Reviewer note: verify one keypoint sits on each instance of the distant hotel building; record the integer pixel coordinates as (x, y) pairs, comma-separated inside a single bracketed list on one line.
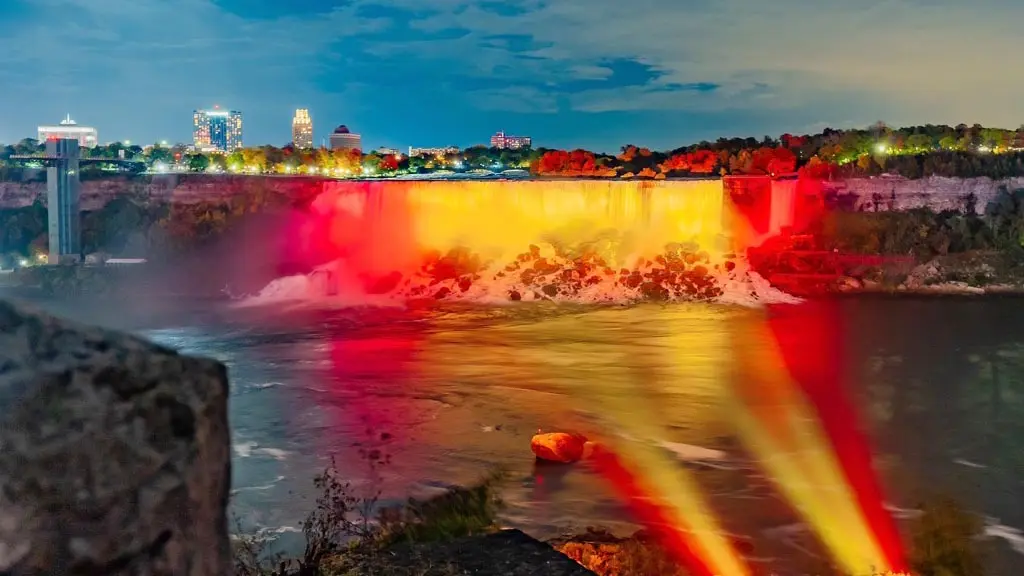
[(302, 129), (68, 128), (438, 152), (503, 141), (342, 138), (217, 130), (385, 151)]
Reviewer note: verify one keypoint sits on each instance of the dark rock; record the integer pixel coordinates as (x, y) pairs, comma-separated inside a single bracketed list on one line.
[(114, 453), (385, 283), (504, 553)]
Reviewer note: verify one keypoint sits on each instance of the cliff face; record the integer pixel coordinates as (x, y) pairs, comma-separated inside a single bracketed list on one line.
[(871, 194), (936, 193), (178, 189)]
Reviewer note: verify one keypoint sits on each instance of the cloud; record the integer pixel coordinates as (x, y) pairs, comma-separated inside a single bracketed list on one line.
[(922, 59), (143, 65)]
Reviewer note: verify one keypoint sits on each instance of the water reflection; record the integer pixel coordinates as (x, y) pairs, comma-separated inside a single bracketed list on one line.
[(938, 385)]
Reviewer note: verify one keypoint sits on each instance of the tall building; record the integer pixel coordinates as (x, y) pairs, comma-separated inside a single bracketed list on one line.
[(68, 128), (343, 138), (503, 141), (62, 200), (302, 129), (217, 130)]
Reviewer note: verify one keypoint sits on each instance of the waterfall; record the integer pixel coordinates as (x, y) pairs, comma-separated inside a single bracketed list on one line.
[(602, 240)]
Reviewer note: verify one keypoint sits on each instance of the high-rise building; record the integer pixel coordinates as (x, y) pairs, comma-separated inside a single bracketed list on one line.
[(68, 128), (302, 129), (217, 130), (343, 138), (504, 141)]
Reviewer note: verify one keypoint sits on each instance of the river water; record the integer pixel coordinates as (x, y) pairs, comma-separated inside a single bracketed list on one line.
[(938, 385)]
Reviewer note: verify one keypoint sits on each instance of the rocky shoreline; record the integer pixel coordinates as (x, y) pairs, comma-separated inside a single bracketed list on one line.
[(979, 273)]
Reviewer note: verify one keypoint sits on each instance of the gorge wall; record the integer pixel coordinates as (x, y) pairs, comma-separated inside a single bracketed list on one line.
[(166, 188), (937, 193)]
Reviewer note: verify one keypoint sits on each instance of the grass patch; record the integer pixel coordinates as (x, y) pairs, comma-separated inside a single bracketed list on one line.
[(349, 534), (944, 540)]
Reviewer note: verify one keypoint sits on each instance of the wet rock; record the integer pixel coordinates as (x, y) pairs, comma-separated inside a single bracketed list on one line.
[(514, 295), (654, 292), (550, 290), (849, 284), (114, 453), (923, 275), (442, 293), (384, 284)]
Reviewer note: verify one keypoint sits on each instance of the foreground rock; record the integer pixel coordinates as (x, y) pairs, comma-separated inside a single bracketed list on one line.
[(504, 553), (114, 453)]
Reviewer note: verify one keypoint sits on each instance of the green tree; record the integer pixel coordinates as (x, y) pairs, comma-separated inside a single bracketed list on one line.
[(219, 161), (198, 162), (236, 161)]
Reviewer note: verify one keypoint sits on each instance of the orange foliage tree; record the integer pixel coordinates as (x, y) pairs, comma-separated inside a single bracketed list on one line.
[(767, 160), (629, 152), (575, 163), (696, 162), (818, 169), (389, 163), (790, 141)]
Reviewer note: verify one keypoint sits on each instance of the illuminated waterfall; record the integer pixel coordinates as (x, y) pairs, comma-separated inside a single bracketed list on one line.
[(501, 219), (589, 240)]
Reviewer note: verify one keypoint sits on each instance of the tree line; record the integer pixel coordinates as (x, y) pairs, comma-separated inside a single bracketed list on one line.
[(911, 152)]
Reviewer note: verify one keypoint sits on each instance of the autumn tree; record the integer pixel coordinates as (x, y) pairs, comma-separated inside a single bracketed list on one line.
[(388, 163)]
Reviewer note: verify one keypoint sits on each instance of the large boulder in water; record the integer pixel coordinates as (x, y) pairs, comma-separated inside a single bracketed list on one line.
[(114, 453)]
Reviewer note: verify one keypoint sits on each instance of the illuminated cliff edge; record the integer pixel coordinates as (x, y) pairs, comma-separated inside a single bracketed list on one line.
[(577, 240)]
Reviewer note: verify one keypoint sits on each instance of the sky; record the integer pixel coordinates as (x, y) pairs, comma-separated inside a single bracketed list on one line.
[(596, 74)]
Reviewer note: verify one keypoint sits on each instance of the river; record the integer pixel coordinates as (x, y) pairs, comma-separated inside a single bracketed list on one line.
[(938, 385)]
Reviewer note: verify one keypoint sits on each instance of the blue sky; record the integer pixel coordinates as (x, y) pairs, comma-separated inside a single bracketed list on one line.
[(570, 73)]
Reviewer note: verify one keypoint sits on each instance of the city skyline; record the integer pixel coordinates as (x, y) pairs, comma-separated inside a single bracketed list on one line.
[(227, 135), (670, 75)]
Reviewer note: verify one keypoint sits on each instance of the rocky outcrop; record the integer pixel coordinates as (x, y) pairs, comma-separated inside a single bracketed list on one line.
[(114, 453)]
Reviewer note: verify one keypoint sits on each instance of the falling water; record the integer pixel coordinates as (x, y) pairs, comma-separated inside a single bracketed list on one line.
[(585, 240)]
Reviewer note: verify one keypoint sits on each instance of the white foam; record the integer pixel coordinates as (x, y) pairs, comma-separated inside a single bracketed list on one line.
[(1013, 536), (740, 286), (968, 463), (244, 449), (258, 488), (247, 449)]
